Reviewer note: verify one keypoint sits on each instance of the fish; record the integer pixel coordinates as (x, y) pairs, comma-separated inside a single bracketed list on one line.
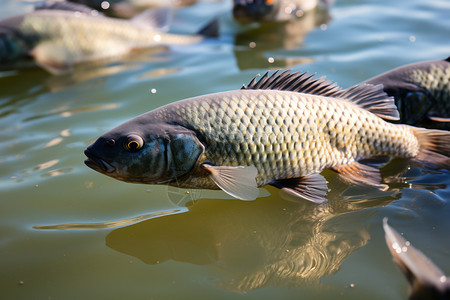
[(421, 91), (283, 129), (426, 279), (129, 8), (58, 39), (273, 10)]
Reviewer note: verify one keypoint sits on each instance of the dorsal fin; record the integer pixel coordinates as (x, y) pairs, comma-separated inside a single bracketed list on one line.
[(447, 59), (158, 18), (294, 82), (68, 6), (370, 97)]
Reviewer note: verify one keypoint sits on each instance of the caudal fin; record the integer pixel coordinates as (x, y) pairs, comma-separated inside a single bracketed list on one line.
[(434, 147)]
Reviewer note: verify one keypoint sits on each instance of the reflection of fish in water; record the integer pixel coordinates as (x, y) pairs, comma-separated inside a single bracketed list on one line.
[(427, 281), (282, 130), (58, 39), (272, 10), (254, 43), (421, 91), (243, 244)]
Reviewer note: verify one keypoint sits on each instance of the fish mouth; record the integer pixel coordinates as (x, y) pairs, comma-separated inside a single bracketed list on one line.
[(97, 163)]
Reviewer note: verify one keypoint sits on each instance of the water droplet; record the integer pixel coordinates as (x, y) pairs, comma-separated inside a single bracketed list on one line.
[(153, 91), (105, 5), (270, 60)]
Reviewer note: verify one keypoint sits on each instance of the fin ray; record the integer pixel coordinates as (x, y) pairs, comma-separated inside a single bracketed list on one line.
[(238, 182), (312, 188), (358, 173), (434, 146), (370, 97), (294, 82)]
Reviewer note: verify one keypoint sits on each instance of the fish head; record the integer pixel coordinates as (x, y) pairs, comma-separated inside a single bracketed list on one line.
[(150, 154), (13, 43), (414, 106), (254, 10)]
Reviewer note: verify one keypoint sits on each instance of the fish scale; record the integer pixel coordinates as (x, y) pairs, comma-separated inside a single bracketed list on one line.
[(436, 80), (241, 128), (282, 130)]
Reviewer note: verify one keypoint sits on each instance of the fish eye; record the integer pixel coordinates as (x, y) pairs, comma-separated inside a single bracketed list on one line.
[(133, 143)]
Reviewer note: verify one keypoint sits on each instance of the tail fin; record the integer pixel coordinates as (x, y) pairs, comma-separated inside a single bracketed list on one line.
[(434, 147)]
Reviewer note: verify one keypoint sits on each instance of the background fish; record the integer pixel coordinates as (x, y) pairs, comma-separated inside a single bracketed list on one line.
[(421, 91), (426, 279), (130, 8), (58, 39), (272, 10), (282, 130)]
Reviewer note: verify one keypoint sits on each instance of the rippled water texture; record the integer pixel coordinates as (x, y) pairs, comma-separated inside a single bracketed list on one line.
[(67, 232)]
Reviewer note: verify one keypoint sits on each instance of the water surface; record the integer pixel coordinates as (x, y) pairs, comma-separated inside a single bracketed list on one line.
[(68, 232)]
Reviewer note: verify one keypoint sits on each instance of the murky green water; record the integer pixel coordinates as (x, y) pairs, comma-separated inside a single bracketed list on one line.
[(127, 241)]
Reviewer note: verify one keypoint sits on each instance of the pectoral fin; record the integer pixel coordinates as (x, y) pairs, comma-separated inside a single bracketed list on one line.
[(312, 188), (439, 119), (52, 58), (359, 173), (238, 182)]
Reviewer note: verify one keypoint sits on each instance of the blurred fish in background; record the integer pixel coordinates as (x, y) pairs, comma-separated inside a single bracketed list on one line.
[(273, 10), (426, 279), (129, 8), (254, 46), (59, 37), (272, 25), (421, 91)]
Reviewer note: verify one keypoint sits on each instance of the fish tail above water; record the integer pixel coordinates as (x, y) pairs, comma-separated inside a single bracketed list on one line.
[(434, 147)]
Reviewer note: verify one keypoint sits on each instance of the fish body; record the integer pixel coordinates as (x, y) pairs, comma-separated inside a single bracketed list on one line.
[(58, 39), (421, 91), (426, 279), (130, 8), (266, 133), (271, 10)]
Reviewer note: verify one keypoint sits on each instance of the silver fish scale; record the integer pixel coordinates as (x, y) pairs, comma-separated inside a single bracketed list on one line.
[(436, 79), (287, 134)]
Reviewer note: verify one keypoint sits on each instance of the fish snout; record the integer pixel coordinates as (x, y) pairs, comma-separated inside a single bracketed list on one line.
[(97, 163)]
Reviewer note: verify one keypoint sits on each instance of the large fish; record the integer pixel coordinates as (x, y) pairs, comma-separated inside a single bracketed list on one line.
[(282, 130), (426, 279), (421, 91), (57, 39)]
